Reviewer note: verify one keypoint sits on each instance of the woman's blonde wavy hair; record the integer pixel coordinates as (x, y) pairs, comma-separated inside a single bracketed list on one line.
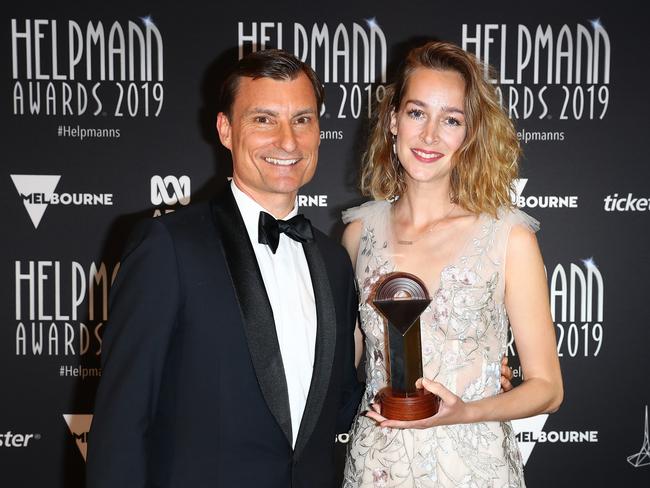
[(484, 166)]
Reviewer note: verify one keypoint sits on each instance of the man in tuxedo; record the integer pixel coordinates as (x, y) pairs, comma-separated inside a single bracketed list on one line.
[(228, 360)]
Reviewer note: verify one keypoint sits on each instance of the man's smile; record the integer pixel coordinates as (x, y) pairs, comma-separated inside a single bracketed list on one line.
[(281, 161)]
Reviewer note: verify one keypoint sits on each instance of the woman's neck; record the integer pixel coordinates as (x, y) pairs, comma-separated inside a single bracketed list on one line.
[(423, 204)]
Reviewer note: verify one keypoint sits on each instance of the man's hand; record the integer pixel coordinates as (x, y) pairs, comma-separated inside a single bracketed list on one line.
[(506, 375)]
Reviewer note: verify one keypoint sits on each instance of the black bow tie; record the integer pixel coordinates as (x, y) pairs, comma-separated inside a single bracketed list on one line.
[(269, 230)]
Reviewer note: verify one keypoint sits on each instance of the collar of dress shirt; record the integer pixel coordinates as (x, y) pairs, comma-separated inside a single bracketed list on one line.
[(250, 211)]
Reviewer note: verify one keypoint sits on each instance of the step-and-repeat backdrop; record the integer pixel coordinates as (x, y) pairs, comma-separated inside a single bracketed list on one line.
[(108, 114)]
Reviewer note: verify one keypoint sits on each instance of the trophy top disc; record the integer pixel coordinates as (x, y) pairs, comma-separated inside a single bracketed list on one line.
[(401, 298), (402, 286)]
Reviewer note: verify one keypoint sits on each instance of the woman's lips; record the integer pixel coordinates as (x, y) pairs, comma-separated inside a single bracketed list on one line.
[(426, 156)]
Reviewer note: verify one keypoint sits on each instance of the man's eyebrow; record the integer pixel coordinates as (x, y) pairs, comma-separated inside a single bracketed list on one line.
[(304, 111), (259, 110), (273, 113)]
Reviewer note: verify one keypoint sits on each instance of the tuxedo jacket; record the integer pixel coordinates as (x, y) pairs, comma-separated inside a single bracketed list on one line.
[(193, 391)]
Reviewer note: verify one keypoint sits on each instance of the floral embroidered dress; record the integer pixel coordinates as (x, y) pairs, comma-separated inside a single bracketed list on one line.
[(464, 336)]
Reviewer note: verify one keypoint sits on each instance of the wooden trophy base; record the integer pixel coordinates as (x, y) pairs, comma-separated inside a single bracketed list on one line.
[(419, 405)]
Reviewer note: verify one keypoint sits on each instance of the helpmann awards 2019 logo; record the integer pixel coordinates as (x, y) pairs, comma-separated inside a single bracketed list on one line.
[(350, 58), (97, 68), (546, 71)]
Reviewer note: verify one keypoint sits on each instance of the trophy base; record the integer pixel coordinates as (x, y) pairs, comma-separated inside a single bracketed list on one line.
[(417, 406)]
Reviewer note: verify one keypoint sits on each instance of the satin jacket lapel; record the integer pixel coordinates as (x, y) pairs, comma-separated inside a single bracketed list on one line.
[(325, 343), (255, 308)]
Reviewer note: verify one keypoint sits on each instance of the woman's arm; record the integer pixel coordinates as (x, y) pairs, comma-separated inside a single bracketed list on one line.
[(527, 303)]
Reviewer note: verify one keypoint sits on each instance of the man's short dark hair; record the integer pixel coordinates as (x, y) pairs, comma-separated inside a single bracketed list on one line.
[(270, 63)]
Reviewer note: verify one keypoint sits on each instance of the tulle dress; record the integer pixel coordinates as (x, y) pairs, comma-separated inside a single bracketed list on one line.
[(464, 337)]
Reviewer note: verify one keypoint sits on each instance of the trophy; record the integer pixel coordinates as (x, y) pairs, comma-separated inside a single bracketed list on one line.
[(401, 298)]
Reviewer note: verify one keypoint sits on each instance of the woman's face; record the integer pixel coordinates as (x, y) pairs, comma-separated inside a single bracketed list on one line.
[(430, 124)]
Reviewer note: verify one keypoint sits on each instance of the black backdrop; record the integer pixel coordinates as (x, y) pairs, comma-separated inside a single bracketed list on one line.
[(108, 115)]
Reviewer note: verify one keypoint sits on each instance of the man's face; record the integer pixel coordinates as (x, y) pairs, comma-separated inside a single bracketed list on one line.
[(273, 135)]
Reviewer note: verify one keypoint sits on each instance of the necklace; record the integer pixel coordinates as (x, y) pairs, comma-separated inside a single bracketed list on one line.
[(404, 242)]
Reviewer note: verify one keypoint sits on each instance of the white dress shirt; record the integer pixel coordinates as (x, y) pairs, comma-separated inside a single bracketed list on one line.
[(288, 285)]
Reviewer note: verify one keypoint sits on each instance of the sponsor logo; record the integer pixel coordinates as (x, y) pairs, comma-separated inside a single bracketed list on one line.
[(540, 201), (546, 71), (9, 439), (37, 192), (642, 458), (312, 200), (170, 191), (79, 426), (529, 432), (628, 203)]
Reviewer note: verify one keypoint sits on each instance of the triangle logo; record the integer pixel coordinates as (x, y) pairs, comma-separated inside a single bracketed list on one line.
[(79, 425), (530, 425), (43, 185), (517, 189)]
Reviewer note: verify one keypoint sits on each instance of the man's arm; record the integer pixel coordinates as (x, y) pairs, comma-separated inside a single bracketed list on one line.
[(350, 240), (352, 389), (144, 304)]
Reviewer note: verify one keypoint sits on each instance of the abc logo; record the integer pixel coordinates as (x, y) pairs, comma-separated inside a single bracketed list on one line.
[(170, 190)]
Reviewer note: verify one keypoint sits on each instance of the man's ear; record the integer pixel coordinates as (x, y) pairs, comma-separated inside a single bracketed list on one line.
[(224, 129)]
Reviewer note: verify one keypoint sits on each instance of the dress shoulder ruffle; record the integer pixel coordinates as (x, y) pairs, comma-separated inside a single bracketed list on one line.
[(366, 211), (514, 216)]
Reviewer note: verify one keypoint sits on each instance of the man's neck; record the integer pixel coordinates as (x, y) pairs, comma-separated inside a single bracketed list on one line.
[(277, 204)]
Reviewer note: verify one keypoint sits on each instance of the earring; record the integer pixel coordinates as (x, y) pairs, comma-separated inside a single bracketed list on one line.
[(393, 154)]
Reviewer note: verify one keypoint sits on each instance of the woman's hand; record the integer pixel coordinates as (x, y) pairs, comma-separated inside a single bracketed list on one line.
[(452, 410)]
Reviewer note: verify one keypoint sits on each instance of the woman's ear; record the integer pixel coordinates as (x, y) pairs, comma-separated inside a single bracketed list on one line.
[(393, 122)]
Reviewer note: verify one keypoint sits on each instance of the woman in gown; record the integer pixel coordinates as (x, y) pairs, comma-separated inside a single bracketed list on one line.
[(440, 165)]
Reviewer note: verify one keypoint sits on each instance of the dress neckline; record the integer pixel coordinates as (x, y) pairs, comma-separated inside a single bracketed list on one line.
[(473, 233)]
